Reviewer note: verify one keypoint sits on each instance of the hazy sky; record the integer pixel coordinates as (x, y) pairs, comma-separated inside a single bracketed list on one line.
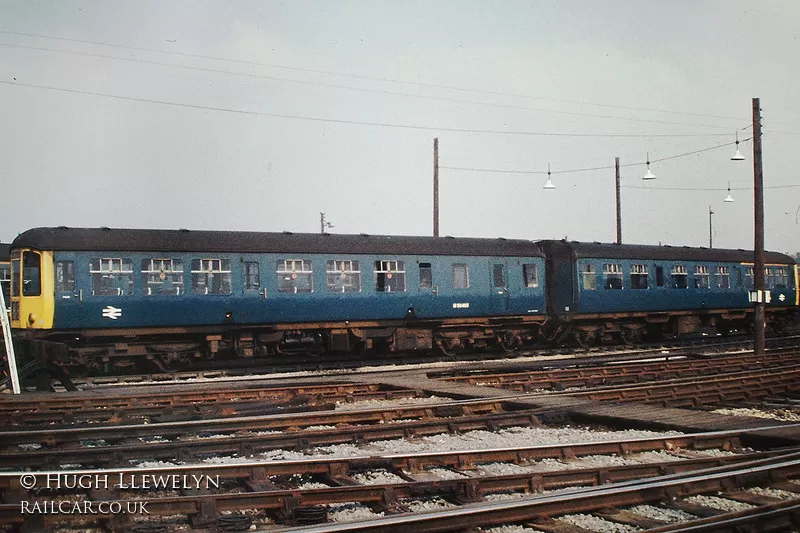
[(259, 115)]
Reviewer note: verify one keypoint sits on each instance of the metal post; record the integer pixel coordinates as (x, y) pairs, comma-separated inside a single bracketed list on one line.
[(759, 342), (619, 207), (710, 230), (436, 187), (12, 360), (322, 222)]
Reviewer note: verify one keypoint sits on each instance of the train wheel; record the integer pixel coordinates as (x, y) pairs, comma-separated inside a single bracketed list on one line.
[(631, 336), (585, 338), (509, 342)]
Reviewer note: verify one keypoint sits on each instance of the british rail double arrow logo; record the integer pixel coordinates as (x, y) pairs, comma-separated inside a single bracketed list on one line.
[(112, 312)]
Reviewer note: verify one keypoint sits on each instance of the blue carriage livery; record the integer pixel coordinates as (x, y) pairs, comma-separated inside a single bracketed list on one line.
[(90, 295), (625, 291)]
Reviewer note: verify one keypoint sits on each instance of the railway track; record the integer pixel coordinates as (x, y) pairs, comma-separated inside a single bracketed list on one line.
[(381, 446), (242, 369), (288, 492)]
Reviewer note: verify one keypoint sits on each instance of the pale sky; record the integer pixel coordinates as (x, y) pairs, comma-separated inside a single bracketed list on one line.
[(259, 115)]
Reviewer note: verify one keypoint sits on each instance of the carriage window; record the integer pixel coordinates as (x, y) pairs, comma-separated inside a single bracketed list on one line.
[(779, 278), (612, 276), (211, 276), (723, 277), (748, 279), (425, 276), (499, 274), (390, 276), (343, 275), (659, 276), (589, 278), (111, 276), (638, 276), (461, 276), (162, 276), (680, 277), (294, 276), (15, 276), (531, 273), (701, 277), (65, 276), (252, 277)]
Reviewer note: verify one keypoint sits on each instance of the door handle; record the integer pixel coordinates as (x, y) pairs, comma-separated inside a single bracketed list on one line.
[(435, 291)]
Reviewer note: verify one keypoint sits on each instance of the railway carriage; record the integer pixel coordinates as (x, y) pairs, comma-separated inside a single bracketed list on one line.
[(105, 297), (612, 290)]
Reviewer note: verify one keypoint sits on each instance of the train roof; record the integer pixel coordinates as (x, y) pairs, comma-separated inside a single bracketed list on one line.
[(666, 253), (5, 252), (159, 240)]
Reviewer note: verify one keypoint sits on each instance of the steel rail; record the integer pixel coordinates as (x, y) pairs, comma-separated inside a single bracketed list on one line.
[(691, 477), (580, 500), (276, 422), (728, 440)]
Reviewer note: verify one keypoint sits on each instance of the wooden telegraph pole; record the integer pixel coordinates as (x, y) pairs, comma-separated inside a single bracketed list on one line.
[(436, 187), (759, 342), (619, 207)]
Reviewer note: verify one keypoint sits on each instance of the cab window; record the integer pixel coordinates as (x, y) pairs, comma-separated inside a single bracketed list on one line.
[(31, 274)]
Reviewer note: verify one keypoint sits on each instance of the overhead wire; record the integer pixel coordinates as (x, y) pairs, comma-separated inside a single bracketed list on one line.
[(352, 88), (363, 77), (350, 122), (589, 169)]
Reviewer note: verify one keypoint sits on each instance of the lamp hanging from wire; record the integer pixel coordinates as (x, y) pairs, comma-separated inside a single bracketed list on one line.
[(729, 198), (549, 184), (738, 155), (648, 175)]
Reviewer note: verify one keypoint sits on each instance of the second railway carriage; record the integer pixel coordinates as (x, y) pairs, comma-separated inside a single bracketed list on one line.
[(606, 290), (105, 295)]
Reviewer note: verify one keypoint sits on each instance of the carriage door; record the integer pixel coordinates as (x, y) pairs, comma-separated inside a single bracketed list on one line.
[(499, 283), (69, 297)]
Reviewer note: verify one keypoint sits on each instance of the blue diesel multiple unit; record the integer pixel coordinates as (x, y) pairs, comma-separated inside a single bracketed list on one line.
[(613, 290), (92, 297), (116, 294)]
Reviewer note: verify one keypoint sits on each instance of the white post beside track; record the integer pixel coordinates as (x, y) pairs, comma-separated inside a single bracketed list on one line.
[(12, 360)]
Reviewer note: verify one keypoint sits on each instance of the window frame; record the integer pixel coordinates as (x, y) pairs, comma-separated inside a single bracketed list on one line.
[(530, 282), (284, 267), (679, 272), (346, 270), (639, 272), (117, 287), (69, 276), (612, 271), (207, 268), (176, 277), (722, 273), (384, 271), (589, 273), (702, 277), (461, 269)]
